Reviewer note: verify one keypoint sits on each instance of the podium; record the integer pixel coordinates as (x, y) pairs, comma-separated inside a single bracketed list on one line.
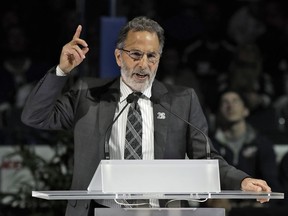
[(156, 179)]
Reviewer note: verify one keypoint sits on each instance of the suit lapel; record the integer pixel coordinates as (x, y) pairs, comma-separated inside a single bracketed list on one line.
[(107, 96), (161, 119), (108, 104)]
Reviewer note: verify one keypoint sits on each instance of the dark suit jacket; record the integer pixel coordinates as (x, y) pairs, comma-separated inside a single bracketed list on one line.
[(89, 108)]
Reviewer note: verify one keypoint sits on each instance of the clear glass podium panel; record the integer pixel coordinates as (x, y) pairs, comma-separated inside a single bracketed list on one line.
[(156, 176), (156, 179), (80, 195), (159, 212)]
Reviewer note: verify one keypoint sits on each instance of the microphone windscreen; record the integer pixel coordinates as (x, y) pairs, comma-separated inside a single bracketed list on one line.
[(130, 98), (134, 96)]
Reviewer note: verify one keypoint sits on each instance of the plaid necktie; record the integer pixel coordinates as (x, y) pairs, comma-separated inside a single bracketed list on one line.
[(133, 140), (133, 143)]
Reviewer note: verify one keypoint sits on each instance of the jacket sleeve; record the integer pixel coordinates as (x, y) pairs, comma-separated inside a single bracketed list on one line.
[(230, 177), (46, 107)]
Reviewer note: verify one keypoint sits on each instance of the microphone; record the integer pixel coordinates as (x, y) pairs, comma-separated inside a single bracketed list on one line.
[(133, 97), (208, 150)]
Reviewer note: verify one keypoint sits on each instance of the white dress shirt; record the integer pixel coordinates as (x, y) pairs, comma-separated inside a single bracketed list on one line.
[(117, 138)]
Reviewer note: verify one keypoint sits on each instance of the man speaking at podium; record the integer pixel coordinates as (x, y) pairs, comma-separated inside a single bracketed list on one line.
[(131, 117)]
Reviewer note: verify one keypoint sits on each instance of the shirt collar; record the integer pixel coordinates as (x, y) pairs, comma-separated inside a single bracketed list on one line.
[(125, 90)]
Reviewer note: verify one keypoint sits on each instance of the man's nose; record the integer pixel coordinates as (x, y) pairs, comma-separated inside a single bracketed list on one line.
[(144, 62)]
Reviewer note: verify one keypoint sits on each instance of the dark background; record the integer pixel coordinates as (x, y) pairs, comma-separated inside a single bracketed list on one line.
[(202, 38)]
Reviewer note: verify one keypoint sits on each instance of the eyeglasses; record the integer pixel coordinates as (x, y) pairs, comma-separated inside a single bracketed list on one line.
[(137, 55)]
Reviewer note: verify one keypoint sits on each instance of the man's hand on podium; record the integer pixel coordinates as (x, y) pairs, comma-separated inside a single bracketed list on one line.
[(257, 185)]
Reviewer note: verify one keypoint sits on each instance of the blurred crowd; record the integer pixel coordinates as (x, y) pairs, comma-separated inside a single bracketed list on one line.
[(210, 46), (240, 45)]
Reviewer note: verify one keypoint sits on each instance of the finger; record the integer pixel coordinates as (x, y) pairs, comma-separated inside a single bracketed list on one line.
[(79, 51), (263, 200), (251, 184), (78, 32), (82, 43), (85, 50), (258, 187), (73, 54), (264, 186), (254, 187)]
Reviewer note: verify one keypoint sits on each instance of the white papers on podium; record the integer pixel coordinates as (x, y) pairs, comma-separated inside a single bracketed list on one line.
[(156, 176)]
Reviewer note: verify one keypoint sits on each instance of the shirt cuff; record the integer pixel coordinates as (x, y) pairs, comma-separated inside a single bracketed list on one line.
[(59, 72)]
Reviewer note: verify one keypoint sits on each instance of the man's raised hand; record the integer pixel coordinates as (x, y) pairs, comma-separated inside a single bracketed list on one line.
[(72, 54)]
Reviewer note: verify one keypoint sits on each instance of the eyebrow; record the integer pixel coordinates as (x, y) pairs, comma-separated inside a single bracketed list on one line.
[(143, 51)]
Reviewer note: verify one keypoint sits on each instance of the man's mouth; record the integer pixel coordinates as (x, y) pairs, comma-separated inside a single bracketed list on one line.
[(141, 76)]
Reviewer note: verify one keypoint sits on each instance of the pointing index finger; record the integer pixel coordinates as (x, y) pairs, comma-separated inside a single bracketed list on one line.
[(78, 32)]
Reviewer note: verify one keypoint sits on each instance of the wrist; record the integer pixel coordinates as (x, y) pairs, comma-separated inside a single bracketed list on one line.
[(60, 72)]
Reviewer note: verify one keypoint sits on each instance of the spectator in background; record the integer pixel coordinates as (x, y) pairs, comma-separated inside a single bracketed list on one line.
[(210, 53), (8, 18), (281, 110), (273, 43), (18, 71), (246, 24), (18, 67), (241, 144), (246, 75)]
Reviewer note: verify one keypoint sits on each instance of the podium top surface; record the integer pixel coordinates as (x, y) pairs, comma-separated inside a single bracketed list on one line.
[(82, 195)]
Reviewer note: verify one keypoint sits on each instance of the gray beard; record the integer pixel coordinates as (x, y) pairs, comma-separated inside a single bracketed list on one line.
[(140, 87)]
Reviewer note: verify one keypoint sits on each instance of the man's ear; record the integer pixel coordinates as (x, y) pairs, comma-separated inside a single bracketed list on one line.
[(117, 54)]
